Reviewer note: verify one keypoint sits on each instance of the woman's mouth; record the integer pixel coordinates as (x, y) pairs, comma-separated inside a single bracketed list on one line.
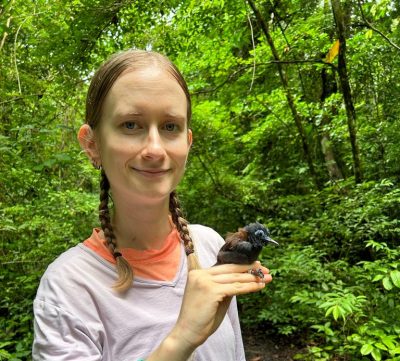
[(151, 172)]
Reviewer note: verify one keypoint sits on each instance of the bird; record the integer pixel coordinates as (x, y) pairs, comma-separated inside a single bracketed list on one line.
[(245, 245)]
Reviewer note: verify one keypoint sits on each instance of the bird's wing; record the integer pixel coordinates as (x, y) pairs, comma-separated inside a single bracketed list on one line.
[(236, 249)]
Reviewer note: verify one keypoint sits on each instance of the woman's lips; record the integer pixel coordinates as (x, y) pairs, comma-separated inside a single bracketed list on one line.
[(152, 173)]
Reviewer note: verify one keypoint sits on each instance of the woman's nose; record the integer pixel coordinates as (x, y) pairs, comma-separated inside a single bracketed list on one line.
[(154, 147)]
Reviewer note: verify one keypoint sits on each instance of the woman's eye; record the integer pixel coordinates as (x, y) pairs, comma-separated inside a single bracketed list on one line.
[(171, 127), (130, 125)]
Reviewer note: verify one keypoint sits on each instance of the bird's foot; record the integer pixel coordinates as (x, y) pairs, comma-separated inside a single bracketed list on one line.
[(256, 272)]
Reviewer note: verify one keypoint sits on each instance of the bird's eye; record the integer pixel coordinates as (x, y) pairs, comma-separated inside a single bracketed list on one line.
[(259, 233)]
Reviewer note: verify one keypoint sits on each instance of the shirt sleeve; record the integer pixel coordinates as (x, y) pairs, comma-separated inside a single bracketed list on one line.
[(60, 336)]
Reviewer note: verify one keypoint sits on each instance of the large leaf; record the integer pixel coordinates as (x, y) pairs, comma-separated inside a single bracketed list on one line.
[(395, 277)]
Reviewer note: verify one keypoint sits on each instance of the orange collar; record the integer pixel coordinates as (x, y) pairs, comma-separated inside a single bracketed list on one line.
[(156, 264)]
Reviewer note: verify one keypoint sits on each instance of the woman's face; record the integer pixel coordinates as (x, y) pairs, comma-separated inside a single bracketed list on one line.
[(143, 139)]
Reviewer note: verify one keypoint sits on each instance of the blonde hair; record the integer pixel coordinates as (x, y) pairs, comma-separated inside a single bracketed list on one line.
[(100, 85)]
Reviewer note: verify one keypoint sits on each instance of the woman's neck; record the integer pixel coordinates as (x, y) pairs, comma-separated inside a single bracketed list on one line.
[(141, 226)]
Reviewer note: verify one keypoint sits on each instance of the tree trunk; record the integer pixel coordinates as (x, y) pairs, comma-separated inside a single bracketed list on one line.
[(346, 90), (282, 74), (329, 87)]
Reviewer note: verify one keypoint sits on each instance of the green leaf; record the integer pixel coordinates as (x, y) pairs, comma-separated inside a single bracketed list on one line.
[(336, 312), (388, 341), (387, 284), (377, 278), (395, 276), (329, 311), (395, 351), (368, 34), (5, 354), (376, 354), (381, 346), (366, 349)]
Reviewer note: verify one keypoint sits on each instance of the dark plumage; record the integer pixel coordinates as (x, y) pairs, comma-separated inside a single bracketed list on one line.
[(245, 245)]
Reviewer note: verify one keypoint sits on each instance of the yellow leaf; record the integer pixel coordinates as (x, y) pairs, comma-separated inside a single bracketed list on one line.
[(333, 52), (368, 34)]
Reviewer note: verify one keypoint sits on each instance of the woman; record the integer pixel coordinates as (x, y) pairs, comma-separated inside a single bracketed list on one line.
[(89, 305)]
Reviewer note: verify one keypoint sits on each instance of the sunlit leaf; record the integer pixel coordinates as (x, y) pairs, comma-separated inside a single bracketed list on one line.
[(368, 33), (376, 354), (395, 277), (333, 52), (387, 284), (366, 349), (380, 345)]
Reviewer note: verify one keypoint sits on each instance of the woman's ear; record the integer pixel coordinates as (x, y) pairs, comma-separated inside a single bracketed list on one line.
[(190, 137), (88, 142)]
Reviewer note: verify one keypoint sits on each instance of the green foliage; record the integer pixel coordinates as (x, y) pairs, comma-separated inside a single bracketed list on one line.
[(336, 273), (360, 316), (337, 299)]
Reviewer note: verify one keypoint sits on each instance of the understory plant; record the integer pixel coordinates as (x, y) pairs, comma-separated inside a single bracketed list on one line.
[(336, 274), (343, 312)]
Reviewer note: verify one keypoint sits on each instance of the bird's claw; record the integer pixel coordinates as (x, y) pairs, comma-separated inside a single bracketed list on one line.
[(256, 272)]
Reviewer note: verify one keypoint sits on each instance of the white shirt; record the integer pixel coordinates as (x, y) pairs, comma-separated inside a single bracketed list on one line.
[(78, 316)]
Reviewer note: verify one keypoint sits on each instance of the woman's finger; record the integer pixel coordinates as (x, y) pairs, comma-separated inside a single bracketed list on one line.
[(237, 277), (234, 268), (240, 288)]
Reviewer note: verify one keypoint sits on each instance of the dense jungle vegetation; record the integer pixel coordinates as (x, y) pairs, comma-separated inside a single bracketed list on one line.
[(296, 124)]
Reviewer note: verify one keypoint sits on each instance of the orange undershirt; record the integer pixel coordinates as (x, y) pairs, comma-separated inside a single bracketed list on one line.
[(156, 264)]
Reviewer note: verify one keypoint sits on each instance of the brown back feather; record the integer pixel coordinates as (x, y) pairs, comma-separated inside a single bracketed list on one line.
[(232, 239)]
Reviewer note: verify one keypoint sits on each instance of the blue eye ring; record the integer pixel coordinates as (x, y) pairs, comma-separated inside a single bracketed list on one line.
[(259, 233)]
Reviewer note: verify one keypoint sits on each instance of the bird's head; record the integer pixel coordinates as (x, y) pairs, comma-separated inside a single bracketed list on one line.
[(259, 234)]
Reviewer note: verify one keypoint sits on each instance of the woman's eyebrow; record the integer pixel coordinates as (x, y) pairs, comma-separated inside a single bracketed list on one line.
[(175, 116), (120, 115)]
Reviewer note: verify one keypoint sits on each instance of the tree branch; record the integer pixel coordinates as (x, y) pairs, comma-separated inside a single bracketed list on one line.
[(15, 99), (21, 261), (300, 61), (369, 25), (217, 185), (3, 40), (203, 91)]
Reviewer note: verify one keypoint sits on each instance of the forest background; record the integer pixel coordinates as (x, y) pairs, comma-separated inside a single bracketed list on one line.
[(296, 124)]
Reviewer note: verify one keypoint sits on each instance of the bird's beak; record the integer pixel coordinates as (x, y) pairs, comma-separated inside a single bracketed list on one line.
[(268, 239)]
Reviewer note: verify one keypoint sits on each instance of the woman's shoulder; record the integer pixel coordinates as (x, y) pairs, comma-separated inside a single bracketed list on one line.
[(201, 229), (207, 243), (72, 259)]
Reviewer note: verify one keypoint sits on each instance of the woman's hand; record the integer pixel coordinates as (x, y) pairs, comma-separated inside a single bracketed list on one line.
[(205, 302), (207, 296)]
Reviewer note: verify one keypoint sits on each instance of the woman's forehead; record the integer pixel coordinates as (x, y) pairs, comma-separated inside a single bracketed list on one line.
[(140, 91)]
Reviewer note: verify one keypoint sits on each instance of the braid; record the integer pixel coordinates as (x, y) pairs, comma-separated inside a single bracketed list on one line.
[(182, 226), (125, 272)]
